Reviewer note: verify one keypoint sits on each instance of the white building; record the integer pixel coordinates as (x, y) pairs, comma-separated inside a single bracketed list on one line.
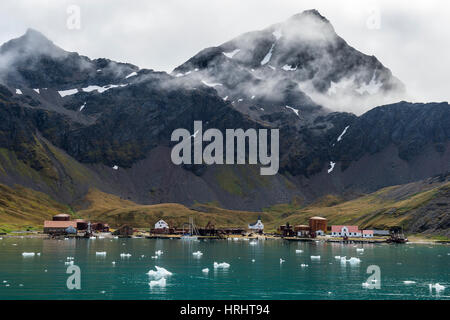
[(161, 224), (257, 226), (345, 231), (367, 233)]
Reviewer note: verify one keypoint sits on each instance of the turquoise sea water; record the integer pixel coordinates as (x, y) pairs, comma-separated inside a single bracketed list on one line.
[(44, 276)]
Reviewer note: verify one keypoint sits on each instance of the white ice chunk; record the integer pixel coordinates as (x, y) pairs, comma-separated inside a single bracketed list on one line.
[(115, 167), (125, 255), (131, 75), (206, 270), (231, 53), (197, 253), (18, 91), (298, 251), (409, 282), (268, 56), (28, 254), (222, 265), (100, 253), (352, 260), (332, 164), (158, 283), (159, 273), (342, 134), (69, 92), (315, 257), (337, 257)]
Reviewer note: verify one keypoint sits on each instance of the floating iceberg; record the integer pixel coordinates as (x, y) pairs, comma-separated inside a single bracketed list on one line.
[(28, 254), (197, 253), (253, 260), (159, 273), (222, 265), (158, 283), (438, 287), (315, 257), (352, 260), (206, 270)]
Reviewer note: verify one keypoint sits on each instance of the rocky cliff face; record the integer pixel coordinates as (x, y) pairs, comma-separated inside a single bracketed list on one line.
[(70, 123)]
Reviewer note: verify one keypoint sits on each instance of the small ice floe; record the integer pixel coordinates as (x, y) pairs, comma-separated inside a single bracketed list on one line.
[(298, 251), (206, 270), (253, 260), (113, 262), (37, 90), (352, 260), (18, 91), (253, 243), (197, 254), (115, 167), (438, 287), (158, 252), (231, 53), (222, 265), (7, 285), (103, 292), (125, 255), (159, 273), (28, 254), (303, 265), (315, 257), (359, 249), (100, 253), (69, 92), (131, 75), (158, 283), (282, 260), (5, 281), (409, 282), (332, 164)]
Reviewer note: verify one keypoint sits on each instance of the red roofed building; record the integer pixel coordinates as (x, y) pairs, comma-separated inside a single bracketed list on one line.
[(367, 233), (345, 231), (58, 227)]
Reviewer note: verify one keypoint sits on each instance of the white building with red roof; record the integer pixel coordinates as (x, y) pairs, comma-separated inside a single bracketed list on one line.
[(367, 233), (345, 231)]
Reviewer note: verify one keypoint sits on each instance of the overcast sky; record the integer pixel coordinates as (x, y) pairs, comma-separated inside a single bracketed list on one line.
[(412, 38)]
